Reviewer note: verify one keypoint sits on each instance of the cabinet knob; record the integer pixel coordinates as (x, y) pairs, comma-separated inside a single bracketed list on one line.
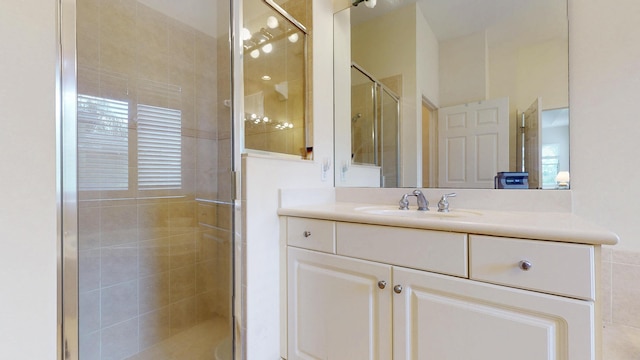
[(382, 284), (306, 233), (397, 289), (525, 265)]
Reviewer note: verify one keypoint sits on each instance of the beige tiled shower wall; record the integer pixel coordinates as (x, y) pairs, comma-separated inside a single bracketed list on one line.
[(620, 276), (621, 304), (149, 270), (153, 263)]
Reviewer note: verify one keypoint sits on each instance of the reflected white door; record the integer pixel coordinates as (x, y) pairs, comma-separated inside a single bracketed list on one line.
[(473, 143), (533, 144)]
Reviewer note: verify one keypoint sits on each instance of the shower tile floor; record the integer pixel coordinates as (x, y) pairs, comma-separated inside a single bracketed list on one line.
[(197, 343)]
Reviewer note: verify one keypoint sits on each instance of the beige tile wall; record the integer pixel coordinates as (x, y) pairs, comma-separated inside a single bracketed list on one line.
[(621, 295), (153, 264), (174, 273), (620, 304)]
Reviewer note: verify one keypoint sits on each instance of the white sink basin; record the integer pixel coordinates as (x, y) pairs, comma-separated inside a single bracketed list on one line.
[(414, 213)]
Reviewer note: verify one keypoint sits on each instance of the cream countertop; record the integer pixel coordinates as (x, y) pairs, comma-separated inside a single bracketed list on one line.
[(552, 226)]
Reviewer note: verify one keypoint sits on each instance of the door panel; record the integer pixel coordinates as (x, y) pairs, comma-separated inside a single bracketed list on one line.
[(533, 144), (336, 308), (438, 317), (474, 143), (456, 170)]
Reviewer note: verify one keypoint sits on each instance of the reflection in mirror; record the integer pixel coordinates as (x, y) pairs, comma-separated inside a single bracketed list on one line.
[(374, 125), (476, 80), (275, 67)]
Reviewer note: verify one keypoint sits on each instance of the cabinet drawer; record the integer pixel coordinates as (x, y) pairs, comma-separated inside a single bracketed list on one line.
[(311, 234), (436, 251), (557, 268)]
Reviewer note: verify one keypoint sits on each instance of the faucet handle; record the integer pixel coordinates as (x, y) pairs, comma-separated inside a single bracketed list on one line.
[(404, 202), (443, 204)]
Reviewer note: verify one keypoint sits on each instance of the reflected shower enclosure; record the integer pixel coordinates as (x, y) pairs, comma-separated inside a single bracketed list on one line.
[(154, 163), (374, 125), (276, 105)]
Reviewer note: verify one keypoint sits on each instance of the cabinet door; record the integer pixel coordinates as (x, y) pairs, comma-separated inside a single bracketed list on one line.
[(336, 308), (441, 318)]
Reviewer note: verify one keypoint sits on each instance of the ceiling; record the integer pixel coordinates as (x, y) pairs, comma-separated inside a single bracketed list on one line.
[(505, 19)]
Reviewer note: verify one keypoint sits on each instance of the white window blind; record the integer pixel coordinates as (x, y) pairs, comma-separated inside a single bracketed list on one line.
[(159, 148), (103, 143)]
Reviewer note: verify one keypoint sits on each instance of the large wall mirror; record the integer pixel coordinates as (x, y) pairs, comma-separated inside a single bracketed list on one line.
[(275, 37), (450, 93)]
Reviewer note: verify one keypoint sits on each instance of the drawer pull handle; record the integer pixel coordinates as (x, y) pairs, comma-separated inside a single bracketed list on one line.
[(397, 289), (307, 233), (382, 284), (525, 265)]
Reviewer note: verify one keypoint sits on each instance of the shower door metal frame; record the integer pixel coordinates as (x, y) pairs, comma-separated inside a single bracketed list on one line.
[(68, 295)]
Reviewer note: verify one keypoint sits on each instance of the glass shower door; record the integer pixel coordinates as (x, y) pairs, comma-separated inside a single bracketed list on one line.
[(375, 122), (389, 139), (155, 201), (364, 115)]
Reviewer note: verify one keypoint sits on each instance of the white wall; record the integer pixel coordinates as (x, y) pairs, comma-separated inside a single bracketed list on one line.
[(523, 73), (604, 86), (376, 47), (393, 37), (262, 177), (28, 222), (428, 60), (463, 69), (543, 71)]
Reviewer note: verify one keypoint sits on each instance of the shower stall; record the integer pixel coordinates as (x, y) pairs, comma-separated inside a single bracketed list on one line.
[(148, 179), (374, 125)]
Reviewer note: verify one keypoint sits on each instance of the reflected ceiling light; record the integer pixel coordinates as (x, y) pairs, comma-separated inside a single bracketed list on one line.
[(368, 3), (267, 48), (272, 22), (246, 34), (266, 77), (293, 37), (255, 53)]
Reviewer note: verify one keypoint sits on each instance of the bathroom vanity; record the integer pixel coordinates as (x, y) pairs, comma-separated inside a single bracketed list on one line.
[(368, 282)]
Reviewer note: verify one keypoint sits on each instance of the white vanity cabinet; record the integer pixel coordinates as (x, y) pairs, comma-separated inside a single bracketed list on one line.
[(383, 292), (441, 317), (339, 308)]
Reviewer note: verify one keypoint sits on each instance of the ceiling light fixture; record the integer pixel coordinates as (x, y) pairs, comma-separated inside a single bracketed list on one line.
[(246, 34), (272, 22)]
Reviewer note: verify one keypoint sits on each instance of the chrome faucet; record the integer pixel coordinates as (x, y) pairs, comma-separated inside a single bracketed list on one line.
[(443, 204), (423, 203)]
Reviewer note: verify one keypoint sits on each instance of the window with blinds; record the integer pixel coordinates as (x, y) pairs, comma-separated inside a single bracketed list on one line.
[(159, 148), (103, 144)]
